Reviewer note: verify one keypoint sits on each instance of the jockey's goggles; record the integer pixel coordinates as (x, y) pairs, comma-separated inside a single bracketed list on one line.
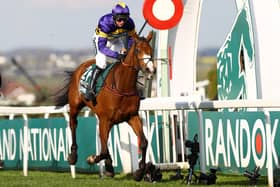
[(120, 18)]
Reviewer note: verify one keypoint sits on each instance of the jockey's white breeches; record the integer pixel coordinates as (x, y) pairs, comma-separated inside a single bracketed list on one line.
[(115, 44)]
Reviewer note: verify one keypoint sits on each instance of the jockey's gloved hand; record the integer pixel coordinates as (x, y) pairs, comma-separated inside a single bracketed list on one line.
[(123, 51), (121, 56)]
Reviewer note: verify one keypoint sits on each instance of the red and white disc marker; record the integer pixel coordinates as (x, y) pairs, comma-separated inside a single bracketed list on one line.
[(163, 14)]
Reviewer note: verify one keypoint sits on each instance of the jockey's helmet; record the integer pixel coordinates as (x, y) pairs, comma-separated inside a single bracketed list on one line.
[(120, 10)]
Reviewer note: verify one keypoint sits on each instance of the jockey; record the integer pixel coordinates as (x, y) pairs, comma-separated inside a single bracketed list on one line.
[(112, 40)]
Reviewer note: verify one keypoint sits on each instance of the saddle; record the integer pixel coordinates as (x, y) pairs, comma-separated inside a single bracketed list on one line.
[(86, 78)]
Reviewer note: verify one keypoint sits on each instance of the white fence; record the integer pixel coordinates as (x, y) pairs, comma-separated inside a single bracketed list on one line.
[(168, 108)]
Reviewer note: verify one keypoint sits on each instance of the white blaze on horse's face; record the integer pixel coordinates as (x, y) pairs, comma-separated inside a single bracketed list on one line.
[(149, 65)]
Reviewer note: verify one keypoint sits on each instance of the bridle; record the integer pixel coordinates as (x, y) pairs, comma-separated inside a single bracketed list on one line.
[(135, 53)]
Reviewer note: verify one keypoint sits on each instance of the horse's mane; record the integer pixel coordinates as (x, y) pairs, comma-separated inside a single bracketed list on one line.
[(60, 99)]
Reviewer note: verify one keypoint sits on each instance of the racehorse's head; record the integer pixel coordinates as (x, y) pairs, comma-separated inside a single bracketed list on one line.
[(144, 54)]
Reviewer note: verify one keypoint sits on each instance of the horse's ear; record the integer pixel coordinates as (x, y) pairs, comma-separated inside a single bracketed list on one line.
[(134, 35), (150, 36)]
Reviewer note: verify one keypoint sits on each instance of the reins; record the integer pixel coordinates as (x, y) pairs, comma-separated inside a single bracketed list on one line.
[(113, 88), (116, 91)]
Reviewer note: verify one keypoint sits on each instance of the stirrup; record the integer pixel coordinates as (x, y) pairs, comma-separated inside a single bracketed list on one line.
[(89, 95), (93, 99)]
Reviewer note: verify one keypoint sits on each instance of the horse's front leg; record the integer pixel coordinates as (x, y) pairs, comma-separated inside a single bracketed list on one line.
[(104, 130), (137, 126)]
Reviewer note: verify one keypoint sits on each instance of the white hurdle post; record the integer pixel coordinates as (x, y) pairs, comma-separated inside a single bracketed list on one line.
[(269, 149), (73, 171), (25, 145)]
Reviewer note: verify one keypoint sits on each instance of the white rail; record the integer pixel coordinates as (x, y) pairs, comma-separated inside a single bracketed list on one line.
[(160, 103), (167, 103)]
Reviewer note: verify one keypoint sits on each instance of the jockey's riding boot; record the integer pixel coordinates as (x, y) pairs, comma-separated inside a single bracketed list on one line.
[(90, 94), (142, 97)]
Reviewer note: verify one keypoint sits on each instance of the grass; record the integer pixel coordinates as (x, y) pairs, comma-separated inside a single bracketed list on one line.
[(48, 179)]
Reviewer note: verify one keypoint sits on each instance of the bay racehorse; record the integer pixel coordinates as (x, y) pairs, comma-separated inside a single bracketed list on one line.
[(117, 101)]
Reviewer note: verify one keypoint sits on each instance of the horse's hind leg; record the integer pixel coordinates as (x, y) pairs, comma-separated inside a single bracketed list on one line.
[(104, 130), (136, 124), (74, 111)]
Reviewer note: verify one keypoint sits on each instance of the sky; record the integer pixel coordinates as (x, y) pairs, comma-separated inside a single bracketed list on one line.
[(70, 24)]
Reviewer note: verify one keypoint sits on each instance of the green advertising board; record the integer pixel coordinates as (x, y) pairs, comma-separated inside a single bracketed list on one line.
[(233, 142), (49, 144), (50, 141), (236, 141)]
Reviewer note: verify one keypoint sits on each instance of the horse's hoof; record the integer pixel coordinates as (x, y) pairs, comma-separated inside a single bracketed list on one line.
[(109, 174), (139, 174), (91, 159), (109, 171), (72, 159)]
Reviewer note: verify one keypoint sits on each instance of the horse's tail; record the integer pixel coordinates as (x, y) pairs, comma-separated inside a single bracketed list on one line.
[(61, 96)]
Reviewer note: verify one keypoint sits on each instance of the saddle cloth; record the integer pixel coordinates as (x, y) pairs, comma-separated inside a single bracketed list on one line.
[(86, 78)]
